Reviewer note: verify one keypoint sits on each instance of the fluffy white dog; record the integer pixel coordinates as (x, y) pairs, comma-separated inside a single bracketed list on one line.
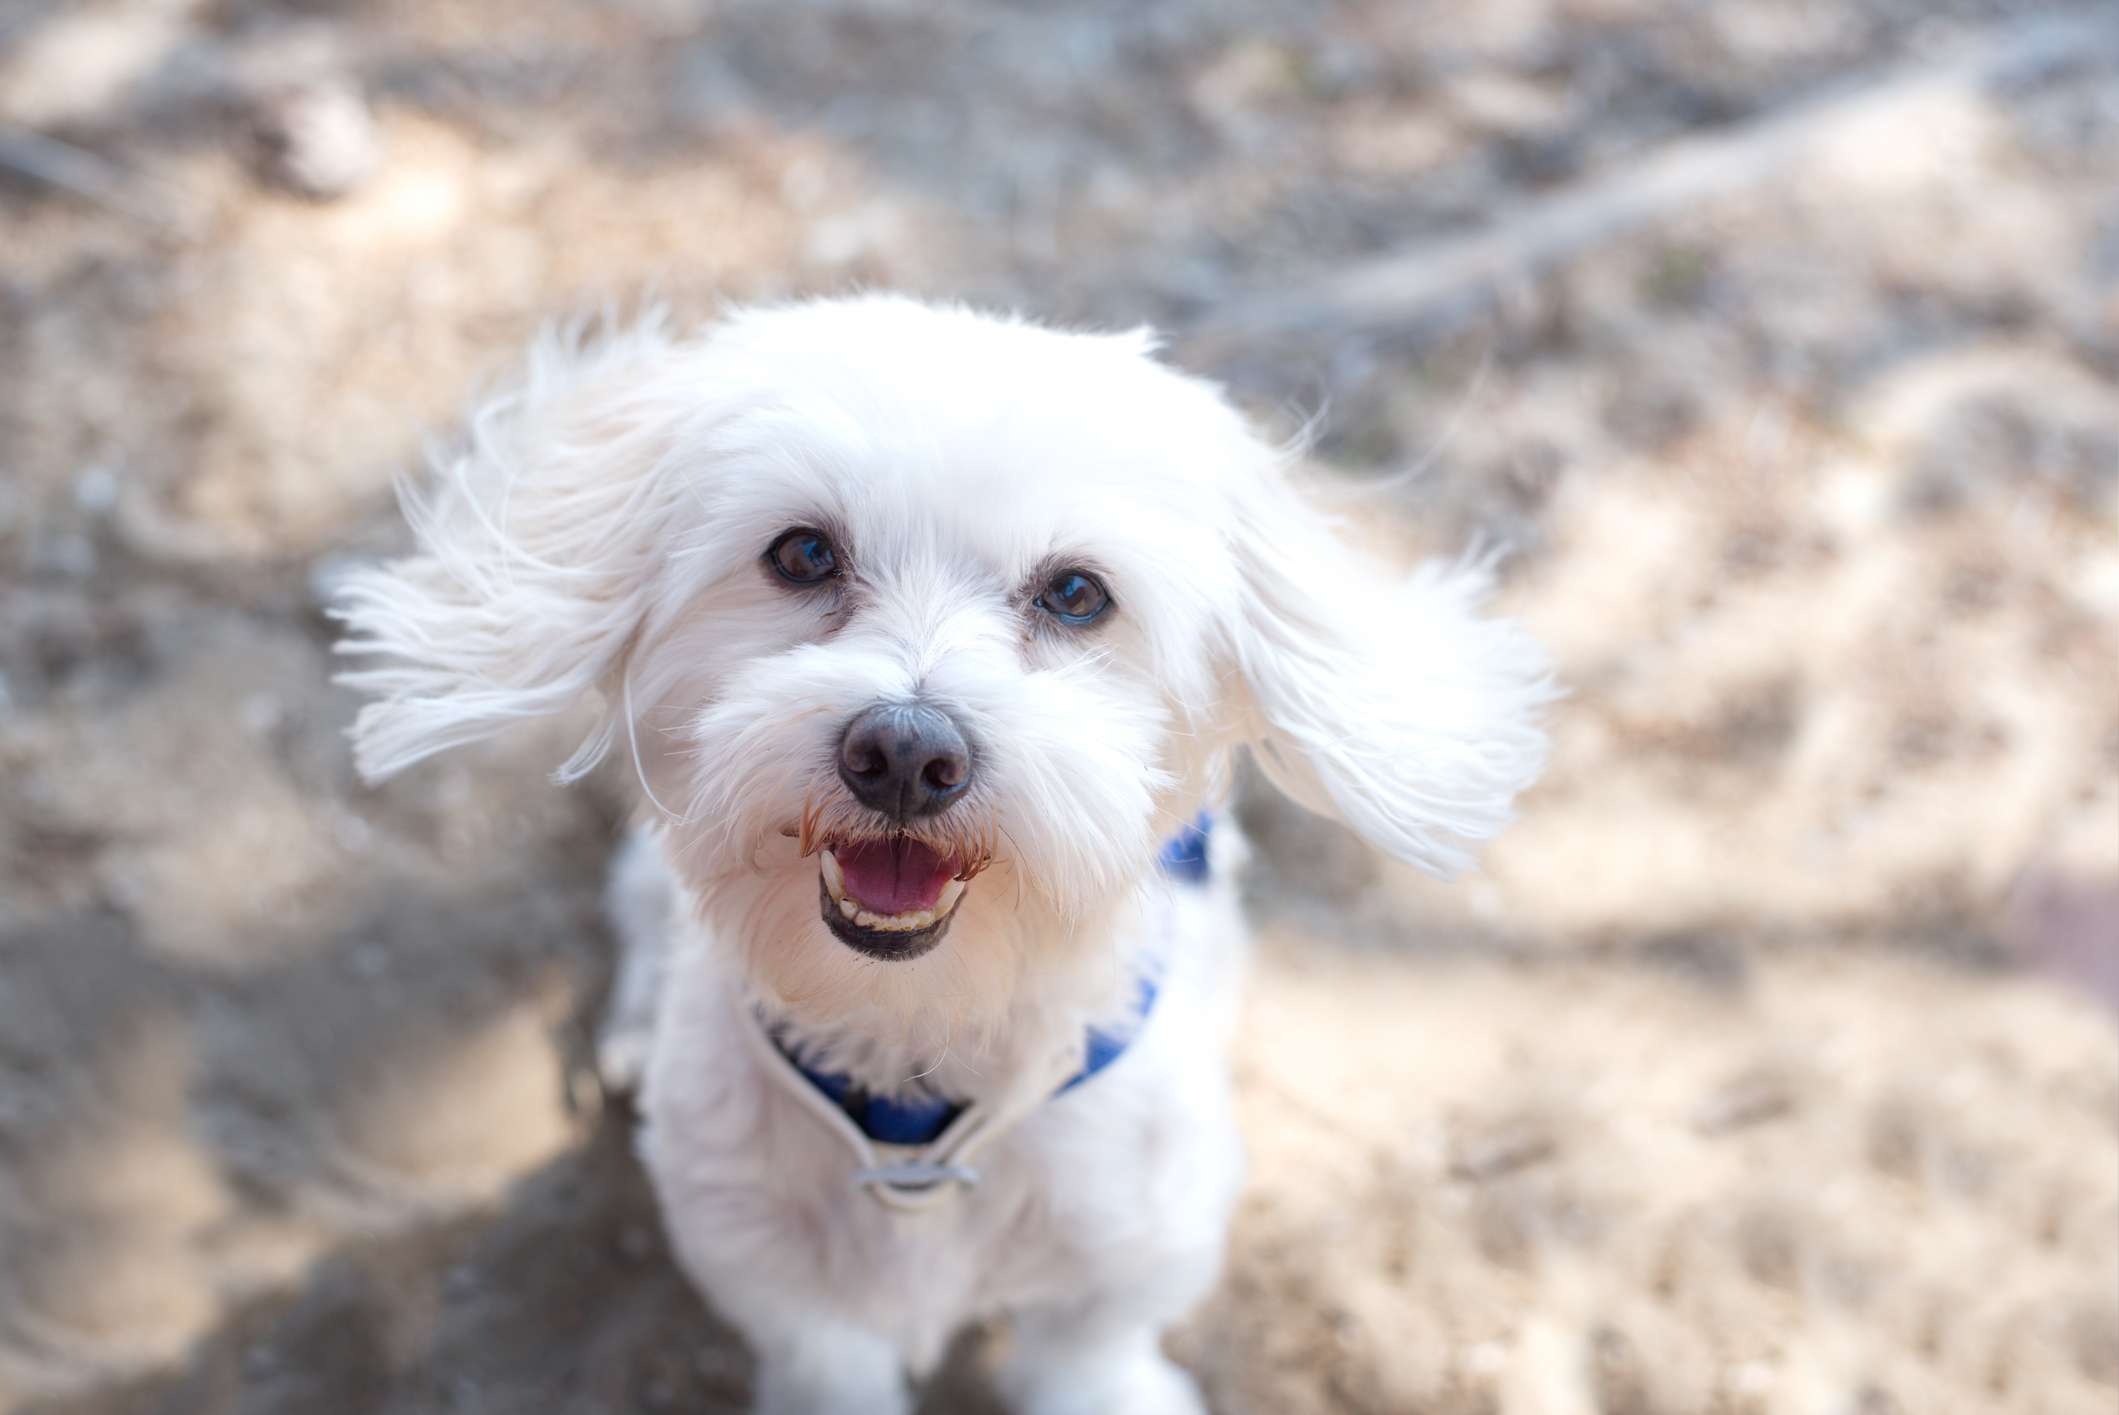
[(929, 636)]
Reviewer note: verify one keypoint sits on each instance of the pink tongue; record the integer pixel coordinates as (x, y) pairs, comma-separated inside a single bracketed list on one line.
[(892, 876)]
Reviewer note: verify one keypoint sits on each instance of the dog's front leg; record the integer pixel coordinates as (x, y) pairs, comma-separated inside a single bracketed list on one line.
[(824, 1367), (1098, 1358)]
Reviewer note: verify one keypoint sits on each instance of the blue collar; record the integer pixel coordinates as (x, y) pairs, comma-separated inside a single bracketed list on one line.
[(1184, 855), (917, 1119)]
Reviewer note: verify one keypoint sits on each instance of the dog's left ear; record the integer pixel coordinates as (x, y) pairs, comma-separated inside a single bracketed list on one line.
[(1386, 700)]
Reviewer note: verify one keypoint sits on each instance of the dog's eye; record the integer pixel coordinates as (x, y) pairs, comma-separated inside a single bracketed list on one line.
[(803, 557), (1073, 597)]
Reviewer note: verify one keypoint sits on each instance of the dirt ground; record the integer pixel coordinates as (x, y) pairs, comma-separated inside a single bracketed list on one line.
[(1768, 1066)]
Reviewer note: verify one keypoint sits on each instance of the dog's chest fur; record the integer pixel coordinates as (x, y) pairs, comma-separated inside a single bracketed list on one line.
[(1096, 1188)]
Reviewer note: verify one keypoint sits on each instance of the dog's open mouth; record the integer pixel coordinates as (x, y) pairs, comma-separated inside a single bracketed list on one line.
[(889, 897)]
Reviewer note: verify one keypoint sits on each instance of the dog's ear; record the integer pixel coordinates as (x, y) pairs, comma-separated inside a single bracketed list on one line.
[(1386, 700), (539, 542)]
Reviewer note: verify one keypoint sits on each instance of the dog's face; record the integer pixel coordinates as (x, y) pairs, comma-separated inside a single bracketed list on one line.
[(922, 630)]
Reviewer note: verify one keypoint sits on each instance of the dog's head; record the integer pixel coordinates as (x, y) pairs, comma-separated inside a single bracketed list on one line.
[(922, 629)]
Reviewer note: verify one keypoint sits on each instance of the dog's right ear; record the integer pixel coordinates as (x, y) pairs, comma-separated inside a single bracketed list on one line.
[(537, 558)]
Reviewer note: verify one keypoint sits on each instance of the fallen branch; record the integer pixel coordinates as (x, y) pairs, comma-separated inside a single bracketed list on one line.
[(1446, 279)]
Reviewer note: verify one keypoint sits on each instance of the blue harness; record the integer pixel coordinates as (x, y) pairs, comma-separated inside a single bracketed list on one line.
[(918, 1120)]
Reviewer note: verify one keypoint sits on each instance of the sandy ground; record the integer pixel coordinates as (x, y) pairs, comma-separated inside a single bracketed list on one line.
[(1769, 1066)]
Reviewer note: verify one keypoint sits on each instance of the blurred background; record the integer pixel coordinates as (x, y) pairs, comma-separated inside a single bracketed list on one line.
[(1769, 1065)]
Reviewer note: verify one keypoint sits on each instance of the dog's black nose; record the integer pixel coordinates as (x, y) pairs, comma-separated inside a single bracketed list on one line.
[(904, 760)]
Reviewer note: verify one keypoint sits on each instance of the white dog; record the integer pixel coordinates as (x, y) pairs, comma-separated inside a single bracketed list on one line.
[(929, 636)]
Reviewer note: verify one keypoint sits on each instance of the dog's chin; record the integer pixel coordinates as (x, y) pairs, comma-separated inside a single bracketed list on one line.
[(914, 916)]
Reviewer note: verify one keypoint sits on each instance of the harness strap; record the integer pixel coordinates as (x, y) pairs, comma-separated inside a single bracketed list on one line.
[(913, 1152), (916, 1176)]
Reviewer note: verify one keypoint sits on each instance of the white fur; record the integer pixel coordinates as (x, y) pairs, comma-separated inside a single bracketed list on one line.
[(600, 538)]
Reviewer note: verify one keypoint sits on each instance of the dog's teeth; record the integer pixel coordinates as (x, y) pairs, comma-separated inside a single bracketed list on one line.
[(895, 922), (911, 921)]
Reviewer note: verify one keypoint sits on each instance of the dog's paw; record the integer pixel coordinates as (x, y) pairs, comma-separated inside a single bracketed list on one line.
[(1144, 1385)]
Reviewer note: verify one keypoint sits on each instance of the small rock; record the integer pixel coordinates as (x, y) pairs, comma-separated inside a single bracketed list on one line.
[(318, 139)]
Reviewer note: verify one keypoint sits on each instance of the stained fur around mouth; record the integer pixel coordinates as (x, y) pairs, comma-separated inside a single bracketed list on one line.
[(887, 945)]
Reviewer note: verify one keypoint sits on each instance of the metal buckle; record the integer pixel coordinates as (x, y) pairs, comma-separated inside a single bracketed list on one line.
[(918, 1176)]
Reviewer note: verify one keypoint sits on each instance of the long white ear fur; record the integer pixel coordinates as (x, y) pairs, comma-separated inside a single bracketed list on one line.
[(538, 545), (1384, 700)]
